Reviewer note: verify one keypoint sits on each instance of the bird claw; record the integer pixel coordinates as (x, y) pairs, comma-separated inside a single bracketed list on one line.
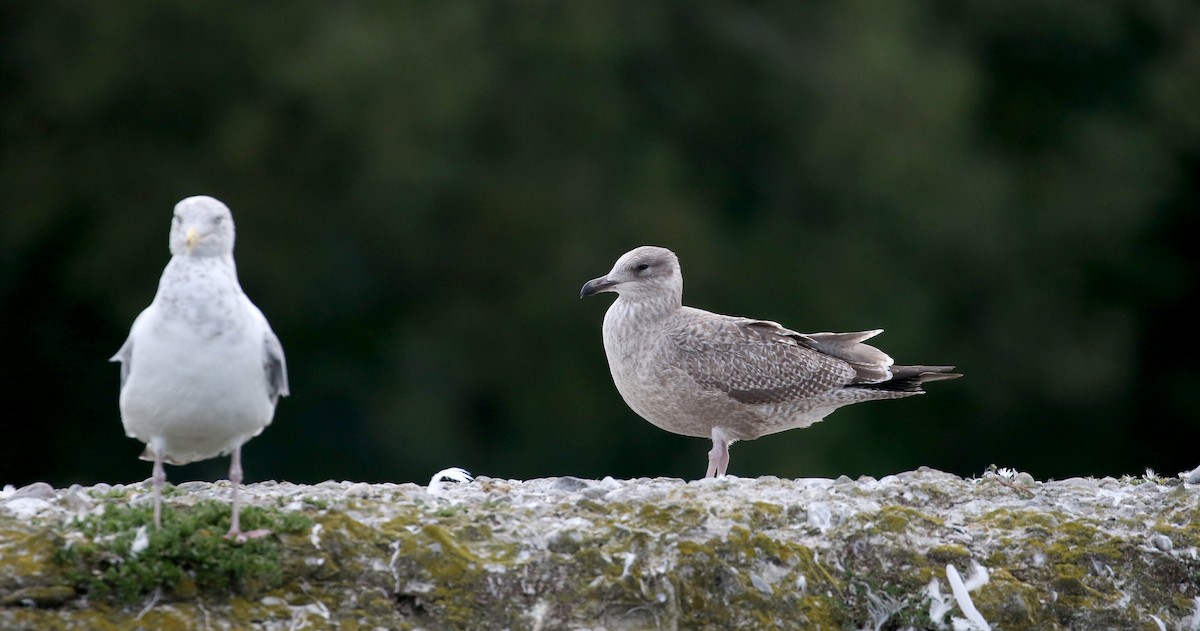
[(243, 537)]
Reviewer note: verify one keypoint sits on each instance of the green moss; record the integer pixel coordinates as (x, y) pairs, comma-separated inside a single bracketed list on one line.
[(654, 564), (450, 547), (50, 596), (947, 553), (449, 511), (188, 554), (170, 619), (1010, 604), (443, 568), (592, 505), (739, 579), (766, 515), (316, 503), (1070, 586), (670, 517), (1074, 540), (117, 494), (1013, 520), (26, 554), (896, 519), (91, 618), (1085, 568), (401, 521), (1182, 527), (933, 493)]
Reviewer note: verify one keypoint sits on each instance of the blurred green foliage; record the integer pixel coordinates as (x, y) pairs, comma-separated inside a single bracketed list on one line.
[(420, 189)]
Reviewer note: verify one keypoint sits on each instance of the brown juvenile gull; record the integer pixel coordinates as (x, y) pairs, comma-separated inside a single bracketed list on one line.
[(703, 374), (202, 370)]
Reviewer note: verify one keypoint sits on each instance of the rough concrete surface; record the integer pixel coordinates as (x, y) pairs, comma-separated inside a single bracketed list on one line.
[(920, 550)]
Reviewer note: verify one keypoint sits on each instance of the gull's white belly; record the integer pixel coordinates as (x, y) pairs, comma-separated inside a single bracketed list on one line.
[(200, 397)]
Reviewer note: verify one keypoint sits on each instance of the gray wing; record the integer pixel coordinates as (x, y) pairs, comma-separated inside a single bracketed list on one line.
[(275, 366), (870, 364), (125, 357), (755, 361)]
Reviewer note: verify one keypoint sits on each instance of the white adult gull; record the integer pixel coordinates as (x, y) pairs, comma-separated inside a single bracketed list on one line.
[(201, 371), (726, 378)]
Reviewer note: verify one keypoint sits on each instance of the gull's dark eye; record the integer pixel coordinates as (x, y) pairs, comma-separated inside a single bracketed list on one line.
[(218, 219), (643, 267)]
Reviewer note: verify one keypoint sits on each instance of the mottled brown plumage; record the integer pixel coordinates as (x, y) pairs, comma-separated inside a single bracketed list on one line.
[(703, 374)]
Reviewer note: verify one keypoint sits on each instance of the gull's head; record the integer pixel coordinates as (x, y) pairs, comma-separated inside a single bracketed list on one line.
[(647, 273), (202, 226)]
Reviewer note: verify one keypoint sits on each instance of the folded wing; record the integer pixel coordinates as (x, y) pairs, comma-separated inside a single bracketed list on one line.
[(756, 361)]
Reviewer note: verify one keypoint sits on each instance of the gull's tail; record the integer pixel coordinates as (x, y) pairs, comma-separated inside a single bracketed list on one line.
[(910, 378)]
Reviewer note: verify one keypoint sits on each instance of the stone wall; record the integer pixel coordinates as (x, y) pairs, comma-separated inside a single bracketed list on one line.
[(917, 550)]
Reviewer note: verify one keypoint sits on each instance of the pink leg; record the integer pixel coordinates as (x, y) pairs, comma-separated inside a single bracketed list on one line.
[(159, 478), (235, 480), (718, 458)]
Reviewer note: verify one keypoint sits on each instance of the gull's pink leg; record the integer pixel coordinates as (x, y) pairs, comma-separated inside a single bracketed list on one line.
[(235, 480), (159, 478), (718, 458)]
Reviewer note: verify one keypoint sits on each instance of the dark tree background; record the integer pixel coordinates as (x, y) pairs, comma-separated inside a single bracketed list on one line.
[(420, 189)]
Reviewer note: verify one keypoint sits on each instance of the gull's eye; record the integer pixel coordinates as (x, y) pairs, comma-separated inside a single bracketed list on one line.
[(218, 219), (643, 267)]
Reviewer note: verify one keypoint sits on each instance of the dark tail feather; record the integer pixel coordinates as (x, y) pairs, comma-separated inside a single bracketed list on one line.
[(910, 378)]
